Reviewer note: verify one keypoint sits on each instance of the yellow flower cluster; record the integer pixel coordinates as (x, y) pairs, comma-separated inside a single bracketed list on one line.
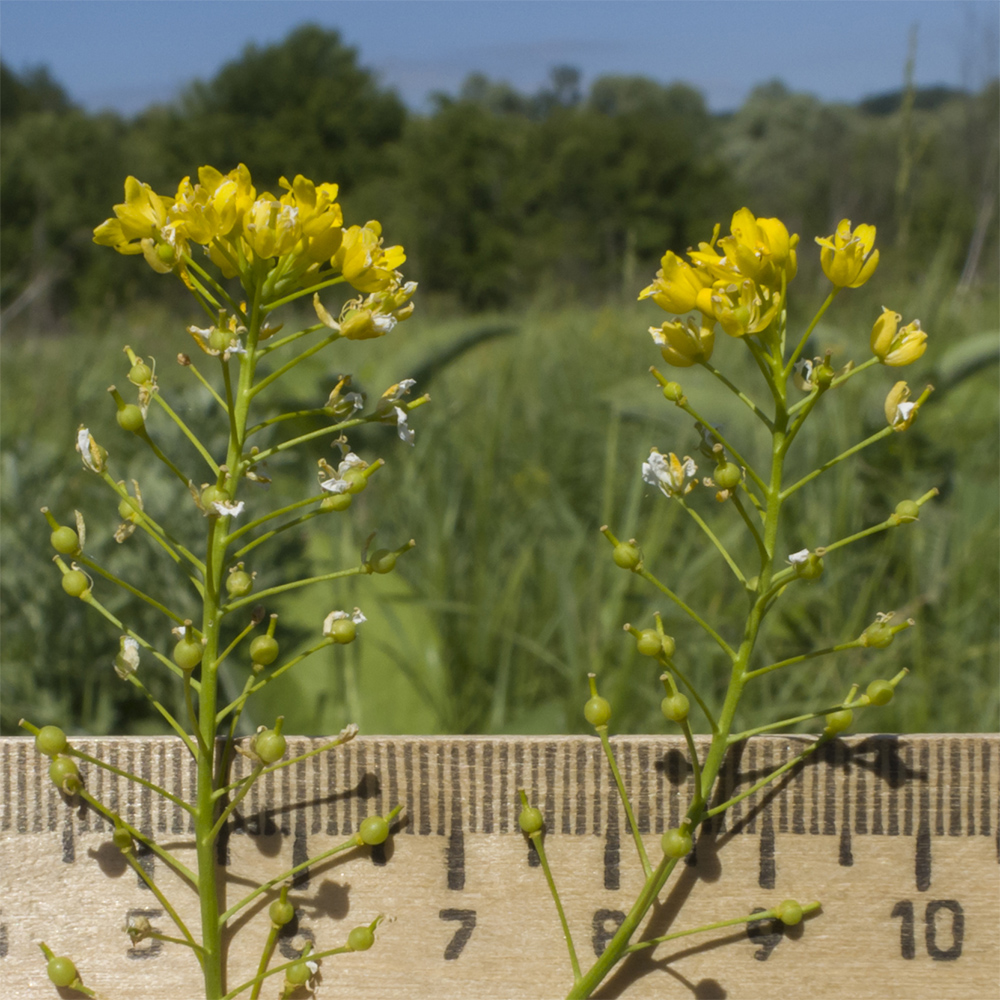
[(736, 282), (297, 239)]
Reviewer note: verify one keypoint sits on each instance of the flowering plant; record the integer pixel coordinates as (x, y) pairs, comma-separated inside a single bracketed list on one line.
[(278, 249), (739, 283)]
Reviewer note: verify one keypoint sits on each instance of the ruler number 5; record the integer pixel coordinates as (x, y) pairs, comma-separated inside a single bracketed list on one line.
[(462, 935)]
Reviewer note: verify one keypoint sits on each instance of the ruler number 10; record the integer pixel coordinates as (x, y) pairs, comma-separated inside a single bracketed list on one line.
[(907, 947)]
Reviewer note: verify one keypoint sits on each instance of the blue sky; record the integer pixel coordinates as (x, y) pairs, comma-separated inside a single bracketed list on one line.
[(126, 54)]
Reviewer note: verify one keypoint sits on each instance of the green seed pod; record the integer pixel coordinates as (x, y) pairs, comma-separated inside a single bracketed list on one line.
[(264, 650), (130, 418), (648, 642), (65, 541), (383, 561), (356, 480), (140, 374), (373, 830), (61, 971), (676, 843), (298, 974), (673, 392), (880, 692), (789, 912), (811, 569), (188, 653), (675, 707), (269, 746), (239, 583), (531, 820), (728, 475), (211, 495), (668, 644), (837, 722), (75, 583), (125, 510), (65, 774), (907, 511), (336, 501), (343, 630), (123, 840), (218, 340), (360, 939), (51, 741), (878, 635), (281, 913), (626, 555), (597, 711)]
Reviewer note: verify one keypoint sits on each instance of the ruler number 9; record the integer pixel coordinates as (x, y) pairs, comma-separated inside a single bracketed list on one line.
[(462, 935)]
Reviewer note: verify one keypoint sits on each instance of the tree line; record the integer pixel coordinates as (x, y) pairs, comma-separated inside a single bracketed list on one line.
[(496, 194)]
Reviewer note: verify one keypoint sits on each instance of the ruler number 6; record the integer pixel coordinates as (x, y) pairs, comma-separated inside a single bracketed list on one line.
[(904, 909), (462, 935)]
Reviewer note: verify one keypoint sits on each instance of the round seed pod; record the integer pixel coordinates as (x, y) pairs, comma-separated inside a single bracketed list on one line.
[(373, 830), (51, 741), (531, 820), (264, 650), (675, 707), (626, 555), (676, 843), (360, 939), (597, 711), (880, 692), (269, 746), (75, 583), (130, 418), (61, 971), (65, 541)]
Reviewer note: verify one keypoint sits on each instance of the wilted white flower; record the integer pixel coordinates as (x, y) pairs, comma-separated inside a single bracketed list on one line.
[(229, 508), (799, 558), (673, 476), (94, 456), (127, 660), (336, 483), (406, 433), (355, 616)]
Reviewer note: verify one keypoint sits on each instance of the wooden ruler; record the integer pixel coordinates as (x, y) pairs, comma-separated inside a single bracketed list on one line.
[(896, 836)]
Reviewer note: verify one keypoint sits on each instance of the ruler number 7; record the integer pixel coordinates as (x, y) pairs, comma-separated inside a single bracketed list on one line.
[(462, 935)]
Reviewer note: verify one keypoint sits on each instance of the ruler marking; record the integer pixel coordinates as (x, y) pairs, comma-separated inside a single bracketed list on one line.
[(939, 782), (316, 803), (922, 854), (910, 777), (424, 797), (439, 801), (955, 789), (860, 797), (782, 799), (7, 769), (833, 764), (623, 748), (566, 812), (767, 868), (753, 806), (190, 793), (612, 844), (504, 792), (984, 791), (595, 774), (580, 789), (878, 787), (970, 803), (487, 810), (68, 839), (473, 765), (346, 820), (548, 810), (330, 798)]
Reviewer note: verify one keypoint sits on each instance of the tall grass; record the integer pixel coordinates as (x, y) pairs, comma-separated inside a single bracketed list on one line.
[(534, 440)]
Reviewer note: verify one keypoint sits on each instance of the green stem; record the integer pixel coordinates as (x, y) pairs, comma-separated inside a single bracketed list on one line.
[(160, 852), (311, 290), (714, 540), (72, 752), (292, 337), (240, 532), (674, 669), (265, 958), (718, 925), (164, 902), (188, 433), (877, 436), (255, 598), (802, 658), (691, 411), (646, 575), (748, 521), (790, 365), (289, 365), (208, 385), (783, 723), (602, 732), (250, 546), (741, 395), (170, 720), (245, 785), (343, 949), (108, 575)]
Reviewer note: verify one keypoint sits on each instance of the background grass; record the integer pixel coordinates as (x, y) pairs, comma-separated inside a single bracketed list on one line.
[(539, 423)]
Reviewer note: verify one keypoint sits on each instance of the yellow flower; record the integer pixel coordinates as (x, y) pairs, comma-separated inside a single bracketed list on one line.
[(364, 262), (319, 214), (745, 308), (896, 347), (761, 249), (270, 228), (847, 257), (142, 215), (899, 412), (676, 286), (684, 344), (710, 264)]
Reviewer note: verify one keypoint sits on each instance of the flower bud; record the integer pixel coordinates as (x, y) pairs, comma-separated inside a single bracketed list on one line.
[(880, 692), (676, 843), (907, 511), (51, 741), (360, 939), (627, 555), (65, 541), (675, 707), (61, 971), (373, 830), (789, 912), (531, 820), (897, 347), (65, 775)]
